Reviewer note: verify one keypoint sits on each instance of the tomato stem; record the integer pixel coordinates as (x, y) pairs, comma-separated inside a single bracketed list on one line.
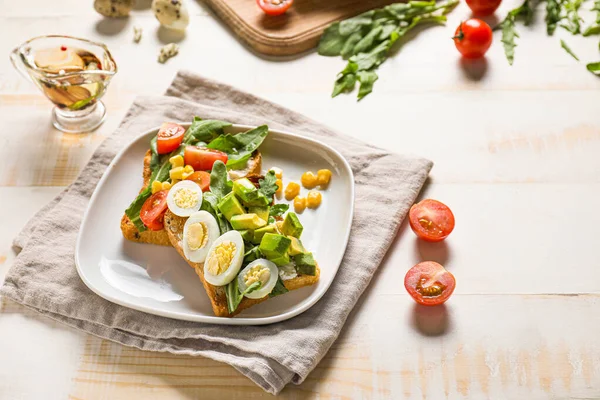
[(461, 34)]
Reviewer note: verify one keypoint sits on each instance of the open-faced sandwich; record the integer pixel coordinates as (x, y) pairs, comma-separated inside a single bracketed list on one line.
[(205, 196)]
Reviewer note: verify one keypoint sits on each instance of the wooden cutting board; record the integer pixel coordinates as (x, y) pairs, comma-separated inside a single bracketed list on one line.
[(295, 31)]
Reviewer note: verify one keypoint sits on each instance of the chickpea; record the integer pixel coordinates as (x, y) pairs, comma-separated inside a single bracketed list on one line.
[(292, 190)]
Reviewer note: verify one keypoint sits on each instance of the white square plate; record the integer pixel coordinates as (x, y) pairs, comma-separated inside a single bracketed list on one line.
[(156, 280)]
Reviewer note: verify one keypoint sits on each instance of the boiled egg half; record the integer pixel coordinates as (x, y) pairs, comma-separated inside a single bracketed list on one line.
[(224, 259), (199, 233), (184, 198), (261, 270)]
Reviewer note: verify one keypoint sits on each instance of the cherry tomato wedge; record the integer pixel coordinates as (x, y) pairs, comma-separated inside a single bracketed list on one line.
[(153, 210), (429, 283), (201, 158), (202, 178), (169, 138), (274, 7), (483, 7), (431, 220), (473, 38)]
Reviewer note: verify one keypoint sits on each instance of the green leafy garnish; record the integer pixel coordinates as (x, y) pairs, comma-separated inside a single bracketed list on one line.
[(568, 49), (278, 210), (234, 297), (509, 31), (239, 147), (268, 186), (592, 30), (204, 130), (251, 255), (573, 19), (594, 68), (553, 15), (220, 184), (278, 289), (209, 203), (133, 211), (365, 40)]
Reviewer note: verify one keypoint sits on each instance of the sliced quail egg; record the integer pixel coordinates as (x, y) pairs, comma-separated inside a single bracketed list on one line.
[(184, 198), (224, 259), (172, 14), (199, 233), (261, 270)]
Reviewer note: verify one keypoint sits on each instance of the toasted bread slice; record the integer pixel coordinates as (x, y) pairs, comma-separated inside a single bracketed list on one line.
[(216, 294), (130, 232)]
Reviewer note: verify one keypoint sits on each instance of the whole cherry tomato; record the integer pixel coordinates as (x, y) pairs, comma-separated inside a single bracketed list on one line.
[(483, 7), (473, 38)]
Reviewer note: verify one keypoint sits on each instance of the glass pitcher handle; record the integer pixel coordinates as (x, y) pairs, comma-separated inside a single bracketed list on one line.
[(16, 61)]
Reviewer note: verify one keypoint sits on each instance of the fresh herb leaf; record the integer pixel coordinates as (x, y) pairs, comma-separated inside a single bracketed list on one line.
[(509, 31), (133, 211), (239, 147), (594, 68), (209, 204), (592, 30), (204, 130), (553, 15), (573, 24), (568, 49), (366, 79), (366, 40), (268, 186), (220, 184), (251, 255), (279, 288), (234, 297), (277, 210)]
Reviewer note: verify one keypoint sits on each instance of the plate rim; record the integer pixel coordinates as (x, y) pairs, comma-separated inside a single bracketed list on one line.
[(213, 319)]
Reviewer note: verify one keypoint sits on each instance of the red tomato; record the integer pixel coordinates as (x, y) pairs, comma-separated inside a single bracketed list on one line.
[(274, 7), (429, 283), (201, 158), (169, 137), (473, 38), (153, 210), (202, 178), (431, 220), (483, 7)]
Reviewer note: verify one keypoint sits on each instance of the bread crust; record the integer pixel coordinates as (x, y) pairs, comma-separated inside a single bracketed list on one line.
[(130, 232), (216, 294)]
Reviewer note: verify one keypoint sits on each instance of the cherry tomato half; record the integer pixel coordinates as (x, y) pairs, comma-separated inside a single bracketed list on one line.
[(274, 7), (429, 283), (169, 137), (431, 220), (483, 7), (153, 210), (473, 38), (202, 178), (201, 158)]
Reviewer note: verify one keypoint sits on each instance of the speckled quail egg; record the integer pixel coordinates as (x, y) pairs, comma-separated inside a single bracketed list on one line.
[(184, 198), (224, 259), (114, 8), (172, 14), (261, 270), (199, 233)]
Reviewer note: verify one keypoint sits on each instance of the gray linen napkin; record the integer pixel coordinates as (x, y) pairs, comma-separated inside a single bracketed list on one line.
[(44, 277)]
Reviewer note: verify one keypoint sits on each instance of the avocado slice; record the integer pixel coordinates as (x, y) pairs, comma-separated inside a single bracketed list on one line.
[(275, 247), (262, 212), (291, 225), (247, 235), (280, 261), (247, 221), (230, 206), (296, 247), (305, 264), (259, 233), (249, 194)]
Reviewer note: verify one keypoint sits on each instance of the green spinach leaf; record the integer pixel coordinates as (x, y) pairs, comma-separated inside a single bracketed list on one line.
[(239, 147), (278, 289), (573, 24), (592, 30), (564, 45), (277, 210), (553, 15), (220, 184), (234, 297), (204, 130), (594, 68), (133, 211), (209, 204), (332, 41), (366, 79)]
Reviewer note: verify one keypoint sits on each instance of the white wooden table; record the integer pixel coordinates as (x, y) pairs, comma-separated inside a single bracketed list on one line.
[(516, 158)]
